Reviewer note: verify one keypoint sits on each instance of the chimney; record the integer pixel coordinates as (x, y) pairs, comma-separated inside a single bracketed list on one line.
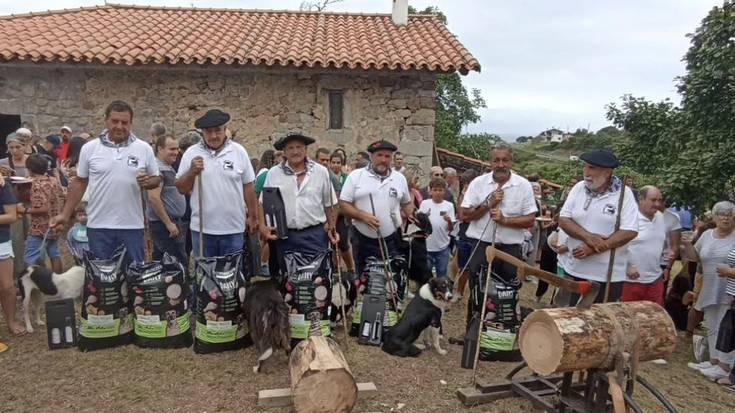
[(400, 12)]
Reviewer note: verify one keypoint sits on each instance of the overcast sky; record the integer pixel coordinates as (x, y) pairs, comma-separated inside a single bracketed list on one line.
[(544, 63)]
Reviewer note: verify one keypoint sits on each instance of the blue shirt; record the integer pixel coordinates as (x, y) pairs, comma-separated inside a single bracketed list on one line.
[(685, 217), (6, 198)]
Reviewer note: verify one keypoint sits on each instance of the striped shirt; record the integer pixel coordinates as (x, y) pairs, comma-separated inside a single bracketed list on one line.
[(730, 288)]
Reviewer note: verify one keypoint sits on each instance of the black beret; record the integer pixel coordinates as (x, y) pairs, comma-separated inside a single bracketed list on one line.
[(281, 143), (601, 158), (381, 145), (211, 119)]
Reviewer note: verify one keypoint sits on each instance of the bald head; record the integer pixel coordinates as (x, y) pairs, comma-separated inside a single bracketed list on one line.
[(650, 200)]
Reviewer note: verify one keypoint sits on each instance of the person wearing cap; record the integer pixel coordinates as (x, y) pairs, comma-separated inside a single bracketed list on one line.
[(47, 148), (228, 204), (376, 217), (499, 206), (63, 149), (117, 167), (589, 218), (309, 199)]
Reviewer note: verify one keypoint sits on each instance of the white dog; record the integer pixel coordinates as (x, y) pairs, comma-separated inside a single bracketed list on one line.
[(50, 286)]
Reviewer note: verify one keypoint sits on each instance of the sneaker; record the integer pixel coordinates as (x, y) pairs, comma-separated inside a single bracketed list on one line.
[(700, 366), (714, 373), (660, 362)]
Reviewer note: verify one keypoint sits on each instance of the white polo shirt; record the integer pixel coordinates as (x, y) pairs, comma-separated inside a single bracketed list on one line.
[(114, 195), (517, 201), (673, 223), (305, 204), (223, 178), (598, 217), (561, 259), (439, 238), (645, 250), (388, 194)]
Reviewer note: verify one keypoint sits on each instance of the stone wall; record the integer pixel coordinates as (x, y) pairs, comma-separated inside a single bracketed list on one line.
[(264, 103)]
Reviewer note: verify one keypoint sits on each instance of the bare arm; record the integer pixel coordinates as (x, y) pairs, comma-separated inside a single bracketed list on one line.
[(523, 221), (351, 212), (154, 197), (472, 214), (9, 214), (77, 187), (620, 238), (573, 229), (251, 200), (185, 184), (408, 209)]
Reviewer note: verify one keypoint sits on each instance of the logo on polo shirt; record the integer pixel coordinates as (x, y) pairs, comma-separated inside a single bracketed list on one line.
[(133, 161), (393, 193), (228, 165), (609, 209)]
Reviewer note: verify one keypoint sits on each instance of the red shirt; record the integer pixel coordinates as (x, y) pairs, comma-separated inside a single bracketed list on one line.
[(62, 150)]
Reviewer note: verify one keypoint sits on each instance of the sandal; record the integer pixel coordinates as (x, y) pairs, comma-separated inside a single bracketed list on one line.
[(724, 381), (18, 332)]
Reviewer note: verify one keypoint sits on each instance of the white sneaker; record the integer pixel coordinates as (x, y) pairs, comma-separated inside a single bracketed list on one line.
[(700, 366), (714, 373), (660, 362)]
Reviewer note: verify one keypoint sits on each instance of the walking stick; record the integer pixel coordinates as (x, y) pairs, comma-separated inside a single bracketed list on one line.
[(482, 310), (201, 213), (611, 262), (384, 257), (342, 298)]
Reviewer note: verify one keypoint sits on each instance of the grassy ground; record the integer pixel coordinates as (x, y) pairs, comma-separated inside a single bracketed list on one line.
[(130, 379)]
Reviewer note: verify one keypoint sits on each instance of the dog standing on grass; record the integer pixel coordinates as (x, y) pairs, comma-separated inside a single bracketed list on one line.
[(267, 316), (37, 280)]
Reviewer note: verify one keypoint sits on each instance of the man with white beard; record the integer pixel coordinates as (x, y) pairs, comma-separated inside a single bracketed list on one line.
[(589, 217)]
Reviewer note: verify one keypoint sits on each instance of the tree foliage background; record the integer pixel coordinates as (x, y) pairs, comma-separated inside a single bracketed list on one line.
[(689, 148)]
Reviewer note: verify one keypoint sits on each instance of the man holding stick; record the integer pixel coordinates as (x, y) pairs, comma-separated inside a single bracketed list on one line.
[(116, 166), (308, 197), (225, 180), (600, 217), (498, 205), (371, 196)]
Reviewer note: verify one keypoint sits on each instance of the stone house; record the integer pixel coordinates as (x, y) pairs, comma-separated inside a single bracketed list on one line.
[(345, 79)]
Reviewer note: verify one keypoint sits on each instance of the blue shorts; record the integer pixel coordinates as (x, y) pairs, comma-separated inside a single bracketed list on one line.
[(464, 250), (33, 249)]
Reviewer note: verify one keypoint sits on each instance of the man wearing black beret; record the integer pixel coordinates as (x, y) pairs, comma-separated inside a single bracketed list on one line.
[(227, 176), (600, 214), (378, 217)]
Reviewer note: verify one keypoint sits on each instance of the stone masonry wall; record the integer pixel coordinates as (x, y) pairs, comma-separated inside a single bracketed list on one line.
[(264, 103)]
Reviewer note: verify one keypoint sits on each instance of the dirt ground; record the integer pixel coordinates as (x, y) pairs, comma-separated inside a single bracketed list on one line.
[(130, 379)]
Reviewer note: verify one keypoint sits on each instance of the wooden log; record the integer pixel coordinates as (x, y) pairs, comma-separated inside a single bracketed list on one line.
[(321, 380), (557, 340), (283, 397)]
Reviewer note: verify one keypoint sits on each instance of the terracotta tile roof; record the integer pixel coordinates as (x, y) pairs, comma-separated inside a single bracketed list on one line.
[(136, 35)]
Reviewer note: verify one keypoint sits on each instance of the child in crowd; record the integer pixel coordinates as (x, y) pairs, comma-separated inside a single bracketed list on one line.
[(76, 238), (45, 203), (442, 217)]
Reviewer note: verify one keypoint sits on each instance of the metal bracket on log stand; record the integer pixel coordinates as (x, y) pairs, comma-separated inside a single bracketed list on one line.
[(597, 390)]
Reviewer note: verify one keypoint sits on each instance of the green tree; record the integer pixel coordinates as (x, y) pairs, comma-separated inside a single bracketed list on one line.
[(689, 148), (456, 107)]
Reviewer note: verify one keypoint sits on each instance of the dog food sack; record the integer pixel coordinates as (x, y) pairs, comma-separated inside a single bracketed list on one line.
[(373, 280), (160, 310), (106, 319), (220, 322), (498, 341), (308, 287)]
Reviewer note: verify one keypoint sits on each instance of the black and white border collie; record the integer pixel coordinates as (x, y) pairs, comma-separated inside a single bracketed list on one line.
[(37, 280), (422, 318), (267, 316)]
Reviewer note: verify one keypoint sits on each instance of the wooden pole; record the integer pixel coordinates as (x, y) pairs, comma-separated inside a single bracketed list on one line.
[(484, 303), (611, 261), (200, 198)]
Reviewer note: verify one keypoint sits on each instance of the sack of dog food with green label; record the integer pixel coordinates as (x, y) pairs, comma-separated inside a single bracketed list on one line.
[(106, 319), (160, 310), (308, 288), (220, 322)]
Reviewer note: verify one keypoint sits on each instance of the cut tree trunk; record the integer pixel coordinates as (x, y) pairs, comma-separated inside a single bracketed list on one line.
[(557, 340), (321, 380)]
